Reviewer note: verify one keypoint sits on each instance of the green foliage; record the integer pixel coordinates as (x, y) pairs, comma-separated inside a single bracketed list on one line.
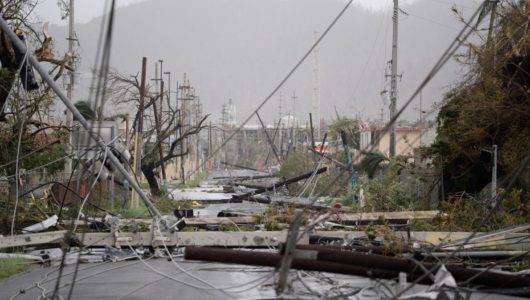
[(394, 192), (55, 152), (194, 181), (350, 127), (27, 214), (371, 162), (332, 183), (167, 205), (490, 107), (4, 72), (8, 152), (12, 266), (296, 164), (138, 213), (86, 110), (465, 213)]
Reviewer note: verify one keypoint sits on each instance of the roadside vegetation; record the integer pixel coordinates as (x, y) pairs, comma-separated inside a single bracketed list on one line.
[(12, 266), (488, 107)]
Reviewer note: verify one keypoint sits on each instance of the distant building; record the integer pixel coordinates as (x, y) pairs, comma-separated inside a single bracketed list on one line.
[(408, 137)]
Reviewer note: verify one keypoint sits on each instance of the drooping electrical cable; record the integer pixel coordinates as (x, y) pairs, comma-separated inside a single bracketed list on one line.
[(274, 90)]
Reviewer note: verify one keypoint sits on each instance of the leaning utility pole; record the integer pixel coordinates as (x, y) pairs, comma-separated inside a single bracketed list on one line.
[(138, 136), (393, 79), (18, 44), (70, 90)]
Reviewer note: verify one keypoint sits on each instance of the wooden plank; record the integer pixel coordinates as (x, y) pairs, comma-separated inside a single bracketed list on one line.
[(388, 216), (515, 241), (189, 221), (220, 220), (30, 239)]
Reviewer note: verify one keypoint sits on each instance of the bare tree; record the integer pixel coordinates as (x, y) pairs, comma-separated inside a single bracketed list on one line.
[(125, 91)]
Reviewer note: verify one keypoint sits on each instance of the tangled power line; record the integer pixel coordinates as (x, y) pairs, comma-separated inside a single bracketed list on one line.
[(100, 103)]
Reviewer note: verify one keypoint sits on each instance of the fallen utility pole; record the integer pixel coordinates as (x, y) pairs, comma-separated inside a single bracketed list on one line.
[(46, 77), (252, 239), (461, 274), (281, 183), (351, 263), (255, 258)]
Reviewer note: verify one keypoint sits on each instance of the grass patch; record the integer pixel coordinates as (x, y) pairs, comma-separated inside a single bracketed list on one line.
[(12, 266), (195, 181), (140, 212)]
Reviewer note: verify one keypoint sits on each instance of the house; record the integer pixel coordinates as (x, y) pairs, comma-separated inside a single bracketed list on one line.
[(409, 136)]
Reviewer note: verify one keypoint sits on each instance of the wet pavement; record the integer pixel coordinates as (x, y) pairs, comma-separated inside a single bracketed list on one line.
[(136, 280)]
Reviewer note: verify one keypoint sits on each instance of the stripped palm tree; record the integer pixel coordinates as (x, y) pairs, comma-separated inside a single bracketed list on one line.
[(86, 110), (372, 162)]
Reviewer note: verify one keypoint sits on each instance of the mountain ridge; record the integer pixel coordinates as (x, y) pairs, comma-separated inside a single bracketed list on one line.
[(241, 49)]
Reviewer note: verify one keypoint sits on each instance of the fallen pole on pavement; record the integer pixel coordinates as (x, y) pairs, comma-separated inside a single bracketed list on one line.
[(360, 264)]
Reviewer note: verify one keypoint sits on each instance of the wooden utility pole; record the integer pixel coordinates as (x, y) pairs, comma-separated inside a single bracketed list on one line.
[(70, 90), (138, 138), (312, 134), (393, 78), (157, 129), (184, 118), (198, 116), (210, 145)]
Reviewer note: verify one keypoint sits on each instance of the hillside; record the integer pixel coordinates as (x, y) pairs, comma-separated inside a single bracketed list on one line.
[(242, 48)]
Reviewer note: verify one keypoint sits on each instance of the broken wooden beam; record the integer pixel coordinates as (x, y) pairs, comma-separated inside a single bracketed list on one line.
[(391, 216)]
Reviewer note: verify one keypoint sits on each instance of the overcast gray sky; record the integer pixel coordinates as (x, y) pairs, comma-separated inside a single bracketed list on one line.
[(239, 49), (89, 9)]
